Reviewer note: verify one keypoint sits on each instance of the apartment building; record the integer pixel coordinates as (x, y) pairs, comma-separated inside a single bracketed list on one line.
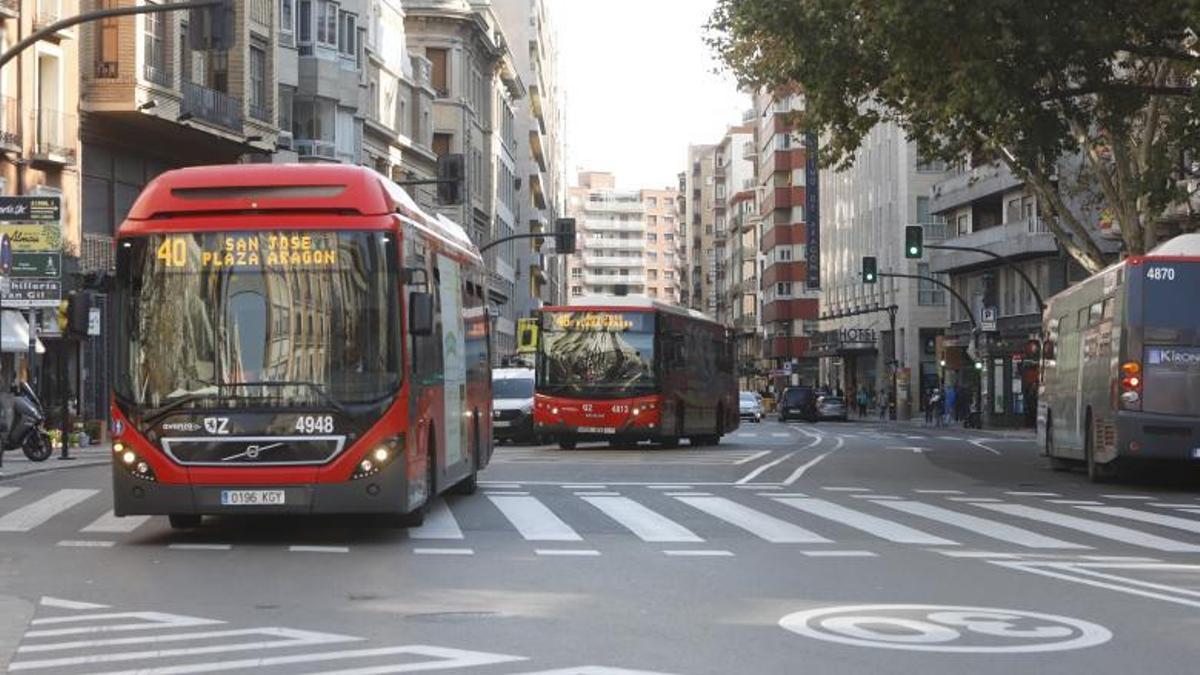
[(39, 131), (682, 240), (627, 240), (540, 167), (987, 207), (789, 210), (476, 85), (700, 216), (864, 211)]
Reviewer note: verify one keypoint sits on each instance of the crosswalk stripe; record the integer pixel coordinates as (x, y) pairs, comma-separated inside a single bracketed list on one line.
[(765, 526), (1093, 527), (780, 434), (1146, 517), (6, 491), (439, 524), (867, 523), (111, 524), (646, 524), (31, 515), (533, 520), (988, 528)]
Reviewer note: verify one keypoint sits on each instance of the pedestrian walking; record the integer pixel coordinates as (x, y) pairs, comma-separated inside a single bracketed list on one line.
[(883, 404), (951, 403), (929, 406), (862, 401)]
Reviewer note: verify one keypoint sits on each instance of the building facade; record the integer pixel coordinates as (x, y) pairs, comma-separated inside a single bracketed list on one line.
[(476, 83), (699, 216), (626, 240), (790, 307), (864, 211)]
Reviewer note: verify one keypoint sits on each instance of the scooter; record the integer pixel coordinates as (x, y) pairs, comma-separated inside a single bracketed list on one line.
[(26, 424)]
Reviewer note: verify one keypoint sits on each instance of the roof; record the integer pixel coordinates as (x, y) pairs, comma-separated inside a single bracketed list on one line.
[(631, 302), (1183, 245)]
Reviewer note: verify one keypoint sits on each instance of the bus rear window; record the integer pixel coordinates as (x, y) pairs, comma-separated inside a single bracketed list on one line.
[(1169, 296)]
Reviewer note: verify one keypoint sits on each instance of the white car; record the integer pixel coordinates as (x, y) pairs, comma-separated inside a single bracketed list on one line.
[(512, 405), (750, 406)]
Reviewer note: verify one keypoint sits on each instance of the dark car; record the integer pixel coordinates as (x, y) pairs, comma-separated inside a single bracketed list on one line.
[(798, 403)]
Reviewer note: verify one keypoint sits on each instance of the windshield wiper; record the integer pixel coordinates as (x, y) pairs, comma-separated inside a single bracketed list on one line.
[(320, 391)]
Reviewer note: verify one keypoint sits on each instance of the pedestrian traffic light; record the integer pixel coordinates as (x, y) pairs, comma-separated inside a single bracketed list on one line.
[(869, 269), (79, 307), (451, 170), (914, 241), (564, 230)]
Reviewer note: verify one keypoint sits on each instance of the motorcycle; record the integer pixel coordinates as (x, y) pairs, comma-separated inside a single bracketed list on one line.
[(24, 424)]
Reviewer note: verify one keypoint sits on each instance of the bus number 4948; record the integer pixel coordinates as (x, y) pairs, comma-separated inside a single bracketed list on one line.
[(314, 424), (1161, 273)]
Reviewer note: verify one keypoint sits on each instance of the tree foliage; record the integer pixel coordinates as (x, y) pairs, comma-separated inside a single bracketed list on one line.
[(1107, 86)]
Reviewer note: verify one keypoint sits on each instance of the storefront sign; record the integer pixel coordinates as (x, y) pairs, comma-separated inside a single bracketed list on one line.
[(832, 341), (28, 293), (36, 264), (812, 214), (15, 209), (33, 238)]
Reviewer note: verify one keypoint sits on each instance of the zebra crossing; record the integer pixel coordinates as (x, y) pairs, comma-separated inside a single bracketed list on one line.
[(599, 516)]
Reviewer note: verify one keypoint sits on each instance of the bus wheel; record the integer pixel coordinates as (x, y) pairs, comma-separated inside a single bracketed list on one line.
[(184, 521), (566, 443)]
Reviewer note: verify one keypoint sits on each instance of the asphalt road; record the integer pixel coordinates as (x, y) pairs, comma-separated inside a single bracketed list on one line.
[(800, 548)]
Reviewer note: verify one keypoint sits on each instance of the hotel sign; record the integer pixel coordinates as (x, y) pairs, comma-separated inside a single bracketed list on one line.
[(812, 213)]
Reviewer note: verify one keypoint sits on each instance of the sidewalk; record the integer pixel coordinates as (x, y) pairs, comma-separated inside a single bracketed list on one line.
[(17, 465), (919, 423)]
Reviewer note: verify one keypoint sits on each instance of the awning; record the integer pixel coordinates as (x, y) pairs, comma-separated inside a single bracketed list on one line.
[(15, 333)]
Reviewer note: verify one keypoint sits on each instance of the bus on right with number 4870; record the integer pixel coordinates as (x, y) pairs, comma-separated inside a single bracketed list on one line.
[(1121, 364)]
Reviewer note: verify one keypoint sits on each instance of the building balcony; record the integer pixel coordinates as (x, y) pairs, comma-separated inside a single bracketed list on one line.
[(789, 309), (748, 150), (10, 9), (157, 74), (10, 136), (633, 206), (785, 347), (536, 192), (535, 106), (212, 106), (975, 183), (1021, 239), (56, 136), (787, 197), (536, 148), (747, 323), (612, 225), (610, 279), (106, 70), (612, 261), (934, 231), (315, 149)]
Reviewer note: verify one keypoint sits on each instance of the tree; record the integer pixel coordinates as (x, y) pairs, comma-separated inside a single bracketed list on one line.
[(1107, 86)]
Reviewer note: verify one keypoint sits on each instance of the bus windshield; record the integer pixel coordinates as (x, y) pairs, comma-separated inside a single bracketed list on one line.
[(1171, 330), (301, 318), (597, 353)]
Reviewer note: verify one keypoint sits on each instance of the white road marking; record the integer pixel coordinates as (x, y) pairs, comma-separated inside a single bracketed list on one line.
[(1017, 493), (646, 524), (764, 526), (147, 621), (444, 551), (319, 549), (975, 500), (294, 637), (60, 603), (746, 434), (1074, 502), (1073, 572), (979, 554), (981, 445), (784, 494), (1095, 528), (983, 526), (449, 659), (533, 520), (699, 553), (750, 458), (584, 487), (1119, 558), (780, 434), (687, 494), (846, 489), (109, 523), (1162, 505), (1146, 517), (938, 492), (439, 524), (200, 547), (840, 554), (6, 491), (501, 486), (566, 551), (1143, 497), (867, 523), (762, 487), (494, 493), (876, 497), (30, 516), (597, 494), (86, 543), (669, 487), (759, 471), (799, 473)]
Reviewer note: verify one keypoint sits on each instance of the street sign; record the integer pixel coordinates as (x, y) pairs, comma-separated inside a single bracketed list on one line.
[(33, 238), (28, 293), (987, 320), (14, 209), (36, 264), (93, 327)]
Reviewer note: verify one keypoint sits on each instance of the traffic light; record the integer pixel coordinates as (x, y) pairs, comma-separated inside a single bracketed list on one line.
[(213, 28), (79, 307), (870, 272), (564, 229), (914, 241), (451, 171)]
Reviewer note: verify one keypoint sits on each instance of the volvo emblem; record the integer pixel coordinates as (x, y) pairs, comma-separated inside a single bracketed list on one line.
[(251, 452)]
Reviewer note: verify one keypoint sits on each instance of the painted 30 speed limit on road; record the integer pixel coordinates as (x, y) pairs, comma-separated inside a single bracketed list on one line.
[(946, 628)]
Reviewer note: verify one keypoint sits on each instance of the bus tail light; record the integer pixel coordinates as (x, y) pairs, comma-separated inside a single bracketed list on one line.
[(377, 458), (1131, 384)]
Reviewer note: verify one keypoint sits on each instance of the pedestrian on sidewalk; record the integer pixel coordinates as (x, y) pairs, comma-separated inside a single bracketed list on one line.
[(951, 401), (929, 401), (862, 401), (883, 404)]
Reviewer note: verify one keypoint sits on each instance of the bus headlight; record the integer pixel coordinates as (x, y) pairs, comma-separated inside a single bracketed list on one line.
[(134, 465), (379, 457), (636, 411)]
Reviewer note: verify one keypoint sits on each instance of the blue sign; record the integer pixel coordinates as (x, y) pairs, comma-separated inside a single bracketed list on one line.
[(812, 213), (6, 255)]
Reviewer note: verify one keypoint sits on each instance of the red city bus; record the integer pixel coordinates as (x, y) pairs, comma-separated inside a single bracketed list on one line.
[(628, 369), (295, 339)]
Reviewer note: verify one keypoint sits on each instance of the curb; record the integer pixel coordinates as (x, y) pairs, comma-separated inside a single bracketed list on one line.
[(76, 464)]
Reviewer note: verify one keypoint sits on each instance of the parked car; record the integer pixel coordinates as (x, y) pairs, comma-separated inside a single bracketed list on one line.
[(512, 405), (831, 408), (750, 406), (798, 403)]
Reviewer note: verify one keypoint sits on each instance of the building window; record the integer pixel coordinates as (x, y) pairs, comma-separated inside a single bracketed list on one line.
[(155, 47), (439, 76), (576, 273), (653, 238), (783, 289), (258, 84), (287, 16), (783, 254), (285, 108), (964, 224), (929, 293), (107, 60), (576, 290), (347, 32), (441, 144), (327, 24), (304, 14)]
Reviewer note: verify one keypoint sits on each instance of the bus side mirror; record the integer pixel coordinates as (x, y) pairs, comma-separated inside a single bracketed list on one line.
[(420, 314)]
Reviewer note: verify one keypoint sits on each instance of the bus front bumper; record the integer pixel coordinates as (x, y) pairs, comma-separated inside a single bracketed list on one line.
[(383, 493), (1158, 437)]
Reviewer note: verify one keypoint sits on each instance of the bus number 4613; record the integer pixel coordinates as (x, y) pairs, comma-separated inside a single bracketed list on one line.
[(1161, 273)]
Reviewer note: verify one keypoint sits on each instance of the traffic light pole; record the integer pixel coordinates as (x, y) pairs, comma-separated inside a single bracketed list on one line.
[(1008, 263), (525, 235)]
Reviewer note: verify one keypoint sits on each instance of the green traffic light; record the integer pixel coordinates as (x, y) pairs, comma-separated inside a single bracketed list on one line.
[(913, 250)]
